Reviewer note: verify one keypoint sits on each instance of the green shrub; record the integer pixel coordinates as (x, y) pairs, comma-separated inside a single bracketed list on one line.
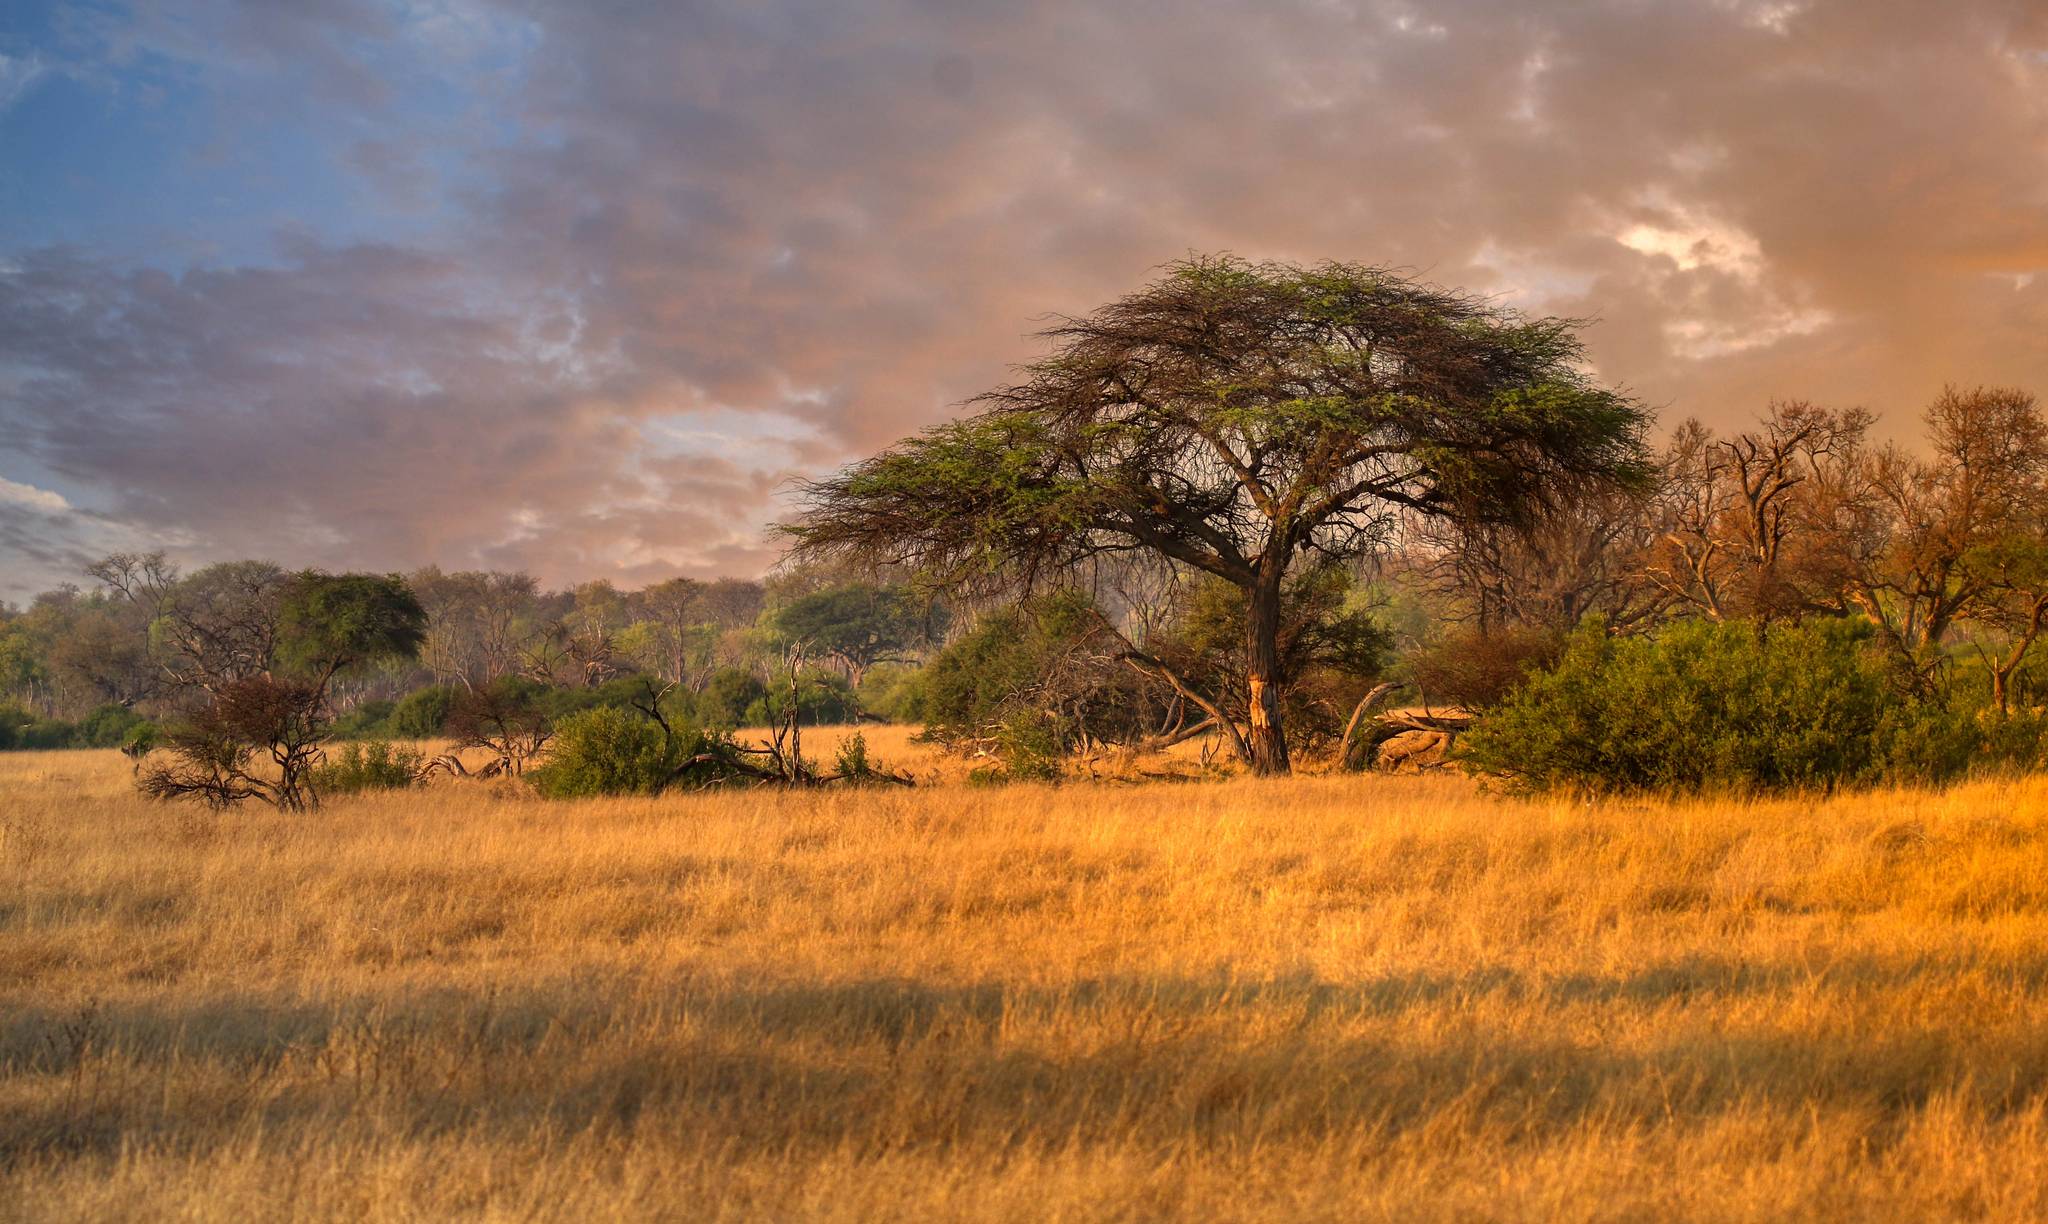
[(366, 766), (1716, 707), (44, 733), (105, 727), (822, 697), (895, 692), (142, 737), (726, 697), (369, 720), (610, 751), (1031, 683), (423, 713), (855, 765)]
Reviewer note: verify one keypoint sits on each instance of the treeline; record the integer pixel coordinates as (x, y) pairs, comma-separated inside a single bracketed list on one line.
[(1791, 604), (95, 666), (1794, 604)]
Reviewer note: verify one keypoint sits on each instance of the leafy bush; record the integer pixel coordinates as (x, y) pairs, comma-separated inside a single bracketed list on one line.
[(423, 713), (1033, 682), (611, 751), (374, 765), (105, 727), (43, 733), (726, 697), (1716, 706), (369, 720), (142, 737), (895, 692), (822, 697)]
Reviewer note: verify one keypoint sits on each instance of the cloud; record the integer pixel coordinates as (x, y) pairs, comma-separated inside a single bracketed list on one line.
[(692, 250), (15, 493), (18, 73)]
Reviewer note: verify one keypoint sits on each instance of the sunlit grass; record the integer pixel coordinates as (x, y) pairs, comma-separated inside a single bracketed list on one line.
[(1328, 997)]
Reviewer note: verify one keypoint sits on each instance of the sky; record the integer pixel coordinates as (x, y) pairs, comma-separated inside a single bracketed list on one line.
[(580, 286)]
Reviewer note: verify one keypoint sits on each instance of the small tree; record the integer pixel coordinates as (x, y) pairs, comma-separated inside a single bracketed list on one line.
[(508, 716), (320, 627), (1241, 418), (856, 625), (214, 753)]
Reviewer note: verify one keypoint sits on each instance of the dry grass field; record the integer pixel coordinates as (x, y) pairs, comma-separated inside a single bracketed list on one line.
[(1325, 998)]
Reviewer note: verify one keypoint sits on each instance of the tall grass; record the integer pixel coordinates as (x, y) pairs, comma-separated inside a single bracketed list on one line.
[(1331, 998)]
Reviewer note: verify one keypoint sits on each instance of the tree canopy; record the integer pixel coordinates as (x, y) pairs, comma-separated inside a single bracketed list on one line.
[(1237, 418)]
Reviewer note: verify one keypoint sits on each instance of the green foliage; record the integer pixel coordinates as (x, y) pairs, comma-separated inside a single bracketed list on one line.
[(854, 765), (369, 720), (142, 737), (1034, 681), (423, 713), (24, 730), (726, 697), (821, 698), (109, 726), (1706, 706), (339, 622), (366, 766), (856, 623), (896, 693), (611, 751)]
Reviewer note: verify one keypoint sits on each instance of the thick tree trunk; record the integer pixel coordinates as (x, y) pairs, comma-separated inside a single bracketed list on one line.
[(1264, 737)]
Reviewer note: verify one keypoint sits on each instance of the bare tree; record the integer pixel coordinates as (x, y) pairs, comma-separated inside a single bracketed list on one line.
[(1982, 481)]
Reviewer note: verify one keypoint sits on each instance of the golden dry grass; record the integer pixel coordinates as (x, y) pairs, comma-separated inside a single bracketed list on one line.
[(1325, 998)]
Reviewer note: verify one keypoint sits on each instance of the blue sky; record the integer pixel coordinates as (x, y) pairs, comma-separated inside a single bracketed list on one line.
[(580, 287)]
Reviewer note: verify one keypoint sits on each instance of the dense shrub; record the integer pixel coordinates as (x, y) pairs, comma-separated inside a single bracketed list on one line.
[(822, 697), (1034, 681), (423, 713), (894, 692), (368, 720), (726, 697), (611, 751), (106, 727), (109, 726), (1717, 706), (373, 765)]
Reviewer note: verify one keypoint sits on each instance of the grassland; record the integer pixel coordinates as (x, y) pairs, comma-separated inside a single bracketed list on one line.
[(1325, 998)]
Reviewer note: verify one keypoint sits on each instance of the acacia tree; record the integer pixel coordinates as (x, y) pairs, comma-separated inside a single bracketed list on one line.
[(314, 628), (856, 625), (1240, 418)]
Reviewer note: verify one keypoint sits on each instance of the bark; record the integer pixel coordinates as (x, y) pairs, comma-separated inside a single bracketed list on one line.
[(1265, 737)]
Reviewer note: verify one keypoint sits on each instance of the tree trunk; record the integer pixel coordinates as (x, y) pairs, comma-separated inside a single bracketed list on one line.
[(1264, 736)]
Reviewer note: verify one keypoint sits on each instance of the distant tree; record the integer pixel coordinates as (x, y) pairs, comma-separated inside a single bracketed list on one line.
[(509, 716), (1241, 418), (856, 625), (2010, 575), (1760, 524), (207, 629), (313, 628), (1981, 481)]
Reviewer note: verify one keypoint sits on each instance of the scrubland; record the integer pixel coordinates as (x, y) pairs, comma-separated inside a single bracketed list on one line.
[(1323, 998)]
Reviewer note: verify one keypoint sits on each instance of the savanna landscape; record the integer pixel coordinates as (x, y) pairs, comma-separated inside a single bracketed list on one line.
[(780, 611), (1321, 998)]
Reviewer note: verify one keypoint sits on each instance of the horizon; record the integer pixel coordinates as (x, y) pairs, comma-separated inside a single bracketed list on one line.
[(380, 286)]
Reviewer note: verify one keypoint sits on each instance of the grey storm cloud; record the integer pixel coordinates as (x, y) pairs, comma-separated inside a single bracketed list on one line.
[(701, 249)]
